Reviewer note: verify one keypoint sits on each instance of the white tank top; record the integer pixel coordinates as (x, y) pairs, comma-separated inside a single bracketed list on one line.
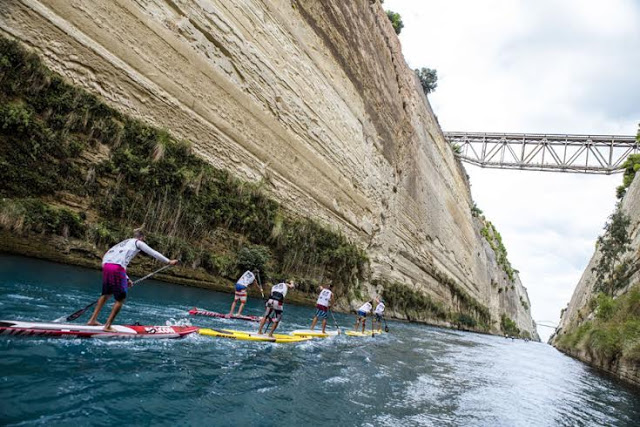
[(280, 287), (246, 279), (366, 307), (380, 308), (324, 297), (123, 253)]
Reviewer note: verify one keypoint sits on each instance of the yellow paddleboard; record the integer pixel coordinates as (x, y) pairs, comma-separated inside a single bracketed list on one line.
[(361, 334), (251, 333), (247, 336), (314, 334)]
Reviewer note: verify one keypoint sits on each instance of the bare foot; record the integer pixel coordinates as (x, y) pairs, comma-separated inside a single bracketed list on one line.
[(228, 315), (94, 324), (109, 329)]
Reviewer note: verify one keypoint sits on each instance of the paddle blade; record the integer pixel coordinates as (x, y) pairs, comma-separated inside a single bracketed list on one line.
[(78, 313)]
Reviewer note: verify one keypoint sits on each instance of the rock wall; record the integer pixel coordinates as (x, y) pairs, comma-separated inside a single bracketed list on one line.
[(313, 98), (585, 289), (578, 310)]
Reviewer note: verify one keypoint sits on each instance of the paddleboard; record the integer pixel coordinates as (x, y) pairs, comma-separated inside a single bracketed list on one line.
[(199, 312), (314, 333), (361, 334), (19, 328), (251, 336)]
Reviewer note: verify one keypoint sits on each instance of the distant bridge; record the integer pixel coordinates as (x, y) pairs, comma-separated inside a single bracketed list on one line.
[(593, 154), (546, 324)]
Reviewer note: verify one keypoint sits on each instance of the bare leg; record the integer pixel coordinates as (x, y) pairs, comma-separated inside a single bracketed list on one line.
[(275, 325), (324, 325), (313, 322), (355, 328), (240, 309), (93, 321), (364, 323), (233, 306), (114, 312), (264, 319)]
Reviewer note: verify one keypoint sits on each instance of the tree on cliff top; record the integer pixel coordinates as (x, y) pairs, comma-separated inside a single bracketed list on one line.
[(396, 21), (611, 273), (428, 79)]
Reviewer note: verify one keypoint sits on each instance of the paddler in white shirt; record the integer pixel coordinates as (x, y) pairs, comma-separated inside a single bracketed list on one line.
[(362, 315), (322, 306), (246, 280), (114, 274), (379, 312), (275, 305)]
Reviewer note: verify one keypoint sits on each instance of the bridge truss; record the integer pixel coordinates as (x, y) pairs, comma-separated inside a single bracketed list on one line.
[(594, 154)]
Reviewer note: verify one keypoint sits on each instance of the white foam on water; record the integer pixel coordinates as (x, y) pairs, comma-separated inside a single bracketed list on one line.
[(337, 380)]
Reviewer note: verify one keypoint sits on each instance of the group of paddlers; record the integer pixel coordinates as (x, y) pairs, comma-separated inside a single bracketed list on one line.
[(116, 282), (275, 304)]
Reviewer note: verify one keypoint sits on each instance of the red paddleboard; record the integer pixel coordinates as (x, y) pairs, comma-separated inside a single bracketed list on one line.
[(198, 312), (62, 330)]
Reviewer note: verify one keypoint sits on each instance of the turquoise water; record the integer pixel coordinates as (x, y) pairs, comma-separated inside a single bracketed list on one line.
[(416, 375)]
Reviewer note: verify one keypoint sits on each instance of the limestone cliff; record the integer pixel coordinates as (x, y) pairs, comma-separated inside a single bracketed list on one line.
[(580, 310), (315, 99)]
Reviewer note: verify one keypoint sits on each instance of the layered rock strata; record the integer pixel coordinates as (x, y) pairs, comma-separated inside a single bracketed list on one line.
[(314, 98)]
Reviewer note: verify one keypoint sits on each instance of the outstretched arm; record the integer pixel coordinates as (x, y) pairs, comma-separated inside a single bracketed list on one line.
[(157, 255)]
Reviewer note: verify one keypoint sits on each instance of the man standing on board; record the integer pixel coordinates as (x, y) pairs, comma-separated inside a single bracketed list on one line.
[(379, 312), (275, 305), (247, 279), (362, 315), (322, 306), (114, 274)]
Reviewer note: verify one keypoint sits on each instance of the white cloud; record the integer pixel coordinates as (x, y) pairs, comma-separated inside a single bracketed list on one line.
[(544, 67)]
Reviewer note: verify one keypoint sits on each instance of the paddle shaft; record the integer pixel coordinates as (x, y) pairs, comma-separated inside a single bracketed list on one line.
[(334, 321), (260, 284), (80, 312)]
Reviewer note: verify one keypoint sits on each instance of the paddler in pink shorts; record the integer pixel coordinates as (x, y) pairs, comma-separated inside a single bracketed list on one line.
[(114, 274), (243, 283)]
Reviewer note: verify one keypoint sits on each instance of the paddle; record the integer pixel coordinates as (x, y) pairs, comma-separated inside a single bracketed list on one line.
[(386, 327), (373, 324), (80, 312), (260, 284), (334, 321)]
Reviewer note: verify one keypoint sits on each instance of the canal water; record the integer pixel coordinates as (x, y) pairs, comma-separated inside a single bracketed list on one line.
[(415, 375)]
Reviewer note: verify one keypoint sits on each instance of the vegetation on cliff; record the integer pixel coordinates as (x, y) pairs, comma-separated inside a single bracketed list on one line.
[(608, 328), (72, 166), (613, 268), (631, 166), (396, 21), (494, 239), (428, 80), (613, 332)]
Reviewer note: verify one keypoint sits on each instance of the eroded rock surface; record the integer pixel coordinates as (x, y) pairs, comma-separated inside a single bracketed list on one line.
[(314, 98)]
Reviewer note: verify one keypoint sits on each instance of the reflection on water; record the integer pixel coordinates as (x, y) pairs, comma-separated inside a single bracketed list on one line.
[(416, 375)]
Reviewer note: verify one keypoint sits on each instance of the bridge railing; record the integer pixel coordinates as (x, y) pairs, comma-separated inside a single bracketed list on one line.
[(595, 154)]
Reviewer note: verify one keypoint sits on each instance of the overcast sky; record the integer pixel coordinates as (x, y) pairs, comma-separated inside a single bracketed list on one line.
[(543, 66)]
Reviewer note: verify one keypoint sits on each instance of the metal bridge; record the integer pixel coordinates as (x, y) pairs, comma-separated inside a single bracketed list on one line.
[(594, 154), (546, 324)]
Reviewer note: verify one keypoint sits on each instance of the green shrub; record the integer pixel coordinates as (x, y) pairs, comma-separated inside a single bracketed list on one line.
[(253, 258), (631, 165), (508, 326), (466, 320), (396, 21)]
